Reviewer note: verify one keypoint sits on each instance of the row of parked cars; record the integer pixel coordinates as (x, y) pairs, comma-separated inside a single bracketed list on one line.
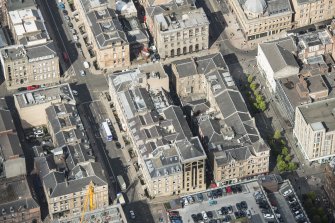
[(212, 194), (265, 207), (294, 206), (174, 217)]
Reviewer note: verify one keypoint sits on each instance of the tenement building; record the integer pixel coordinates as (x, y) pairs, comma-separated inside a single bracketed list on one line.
[(30, 103), (70, 171), (171, 159), (27, 26), (262, 18), (314, 130), (181, 31), (104, 33), (23, 66), (219, 116), (12, 160), (17, 204), (309, 12)]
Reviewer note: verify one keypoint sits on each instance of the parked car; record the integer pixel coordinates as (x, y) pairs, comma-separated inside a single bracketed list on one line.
[(287, 192), (199, 216), (132, 214), (190, 199), (230, 209), (74, 92), (249, 214), (269, 216), (22, 89), (200, 197), (244, 205), (194, 217), (204, 215), (82, 73), (185, 201), (210, 214)]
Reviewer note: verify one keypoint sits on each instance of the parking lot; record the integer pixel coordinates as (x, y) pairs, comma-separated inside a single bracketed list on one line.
[(216, 207)]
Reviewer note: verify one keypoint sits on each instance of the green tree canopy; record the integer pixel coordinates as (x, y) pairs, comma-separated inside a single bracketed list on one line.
[(277, 135), (281, 165), (262, 105), (250, 78), (292, 166), (284, 151), (288, 158), (253, 86)]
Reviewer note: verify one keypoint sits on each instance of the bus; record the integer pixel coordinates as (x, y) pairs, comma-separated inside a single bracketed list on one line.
[(107, 130)]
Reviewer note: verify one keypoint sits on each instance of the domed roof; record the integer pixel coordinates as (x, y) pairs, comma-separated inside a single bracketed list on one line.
[(255, 6)]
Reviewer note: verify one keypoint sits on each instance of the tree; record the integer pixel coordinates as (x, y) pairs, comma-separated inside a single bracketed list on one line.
[(292, 166), (311, 195), (253, 86), (250, 78), (279, 158), (262, 106), (284, 151), (281, 165), (277, 135), (259, 98), (288, 158)]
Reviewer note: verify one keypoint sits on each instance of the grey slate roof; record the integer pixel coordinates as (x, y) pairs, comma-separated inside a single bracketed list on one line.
[(10, 146), (190, 149), (19, 4), (15, 194), (107, 31), (6, 121), (278, 57), (57, 185), (41, 50)]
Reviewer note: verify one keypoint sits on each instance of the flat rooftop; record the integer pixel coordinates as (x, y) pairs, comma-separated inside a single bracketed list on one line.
[(44, 95), (320, 114), (113, 213), (182, 18)]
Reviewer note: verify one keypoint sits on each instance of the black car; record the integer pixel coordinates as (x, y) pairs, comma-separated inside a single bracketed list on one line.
[(200, 197), (237, 214), (219, 192), (244, 205), (224, 210), (210, 194), (194, 217), (227, 218), (22, 89), (302, 32), (199, 216), (209, 214), (230, 209), (65, 12), (234, 189), (214, 193), (311, 29), (70, 25), (238, 206), (239, 188)]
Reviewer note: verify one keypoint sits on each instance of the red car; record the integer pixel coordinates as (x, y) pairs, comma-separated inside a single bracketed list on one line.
[(228, 190), (65, 56), (33, 87)]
